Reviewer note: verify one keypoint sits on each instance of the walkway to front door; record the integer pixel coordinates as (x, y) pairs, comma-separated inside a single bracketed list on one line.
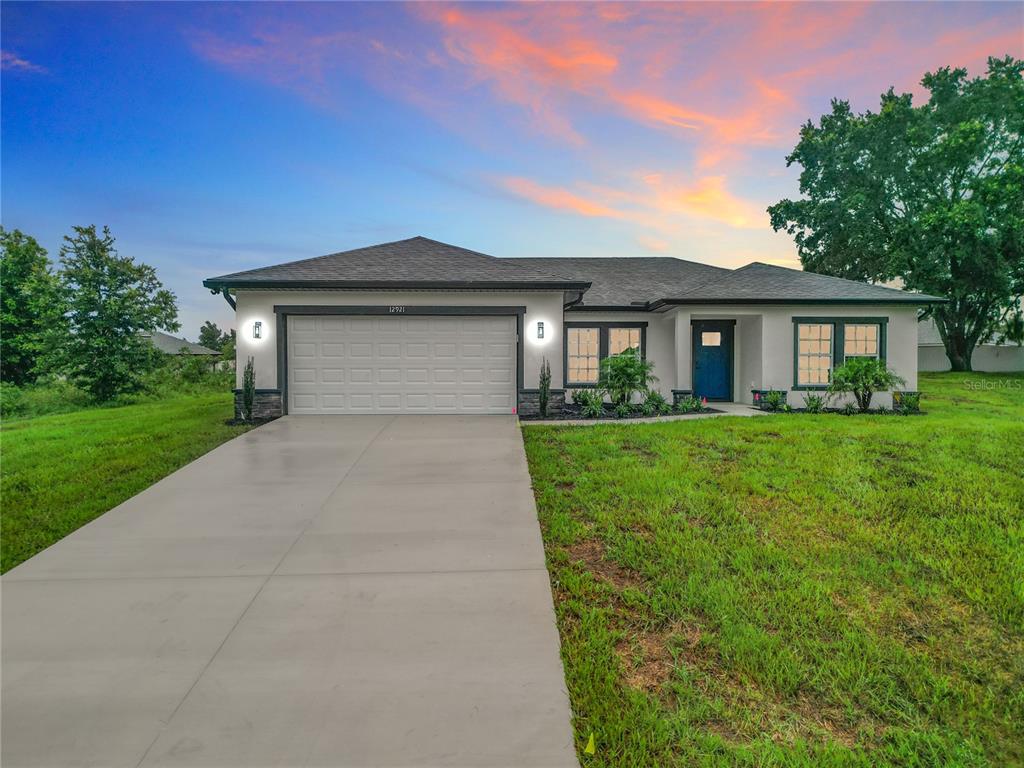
[(333, 591)]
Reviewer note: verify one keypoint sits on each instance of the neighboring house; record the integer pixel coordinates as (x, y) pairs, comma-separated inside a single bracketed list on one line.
[(174, 346), (418, 326), (997, 358)]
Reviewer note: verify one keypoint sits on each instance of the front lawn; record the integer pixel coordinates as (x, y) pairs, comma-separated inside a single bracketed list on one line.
[(61, 471), (808, 590)]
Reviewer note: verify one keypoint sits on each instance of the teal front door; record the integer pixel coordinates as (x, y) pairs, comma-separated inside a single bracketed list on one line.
[(712, 358)]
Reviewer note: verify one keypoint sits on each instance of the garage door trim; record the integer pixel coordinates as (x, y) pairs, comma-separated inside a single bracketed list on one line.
[(401, 310)]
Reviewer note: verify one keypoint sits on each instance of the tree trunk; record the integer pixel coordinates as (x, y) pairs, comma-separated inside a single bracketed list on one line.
[(959, 351)]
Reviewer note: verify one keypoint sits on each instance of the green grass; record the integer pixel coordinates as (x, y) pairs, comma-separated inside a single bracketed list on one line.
[(794, 590), (59, 472)]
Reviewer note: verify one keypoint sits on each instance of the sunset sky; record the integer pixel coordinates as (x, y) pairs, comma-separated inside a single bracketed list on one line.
[(213, 138)]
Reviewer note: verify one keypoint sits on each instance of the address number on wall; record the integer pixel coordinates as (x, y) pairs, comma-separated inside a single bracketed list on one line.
[(396, 310)]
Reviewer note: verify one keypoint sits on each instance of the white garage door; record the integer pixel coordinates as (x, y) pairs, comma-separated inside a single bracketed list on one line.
[(413, 364)]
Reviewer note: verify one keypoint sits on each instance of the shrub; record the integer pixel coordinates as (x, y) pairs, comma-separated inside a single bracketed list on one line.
[(814, 403), (657, 403), (623, 411), (590, 401), (647, 408), (624, 375), (689, 404), (248, 389), (774, 400), (863, 376), (908, 402), (848, 409), (544, 387)]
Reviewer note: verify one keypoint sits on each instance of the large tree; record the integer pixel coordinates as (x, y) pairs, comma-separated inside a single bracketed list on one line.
[(111, 299), (931, 195), (30, 311)]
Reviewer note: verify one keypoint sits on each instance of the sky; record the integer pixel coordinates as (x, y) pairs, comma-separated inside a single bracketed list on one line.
[(212, 138)]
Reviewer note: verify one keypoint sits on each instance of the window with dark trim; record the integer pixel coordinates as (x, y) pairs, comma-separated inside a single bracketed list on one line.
[(582, 355), (821, 344), (586, 344)]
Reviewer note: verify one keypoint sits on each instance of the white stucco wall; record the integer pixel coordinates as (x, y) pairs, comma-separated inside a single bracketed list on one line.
[(988, 357), (543, 306), (772, 356)]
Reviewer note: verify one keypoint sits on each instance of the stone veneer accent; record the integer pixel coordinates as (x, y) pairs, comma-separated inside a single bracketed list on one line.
[(267, 405), (529, 402)]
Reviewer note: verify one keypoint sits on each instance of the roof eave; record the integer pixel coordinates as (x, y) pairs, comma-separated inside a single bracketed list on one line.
[(215, 283), (900, 301)]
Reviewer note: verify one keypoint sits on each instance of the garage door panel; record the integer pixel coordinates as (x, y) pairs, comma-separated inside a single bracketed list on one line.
[(412, 364)]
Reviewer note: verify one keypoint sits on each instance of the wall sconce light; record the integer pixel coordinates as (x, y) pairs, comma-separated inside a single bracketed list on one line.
[(540, 330), (257, 330)]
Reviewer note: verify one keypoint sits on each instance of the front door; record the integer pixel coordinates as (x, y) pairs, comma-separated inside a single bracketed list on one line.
[(712, 359)]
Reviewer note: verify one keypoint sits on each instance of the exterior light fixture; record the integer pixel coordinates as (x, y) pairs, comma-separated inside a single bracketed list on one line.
[(540, 330), (257, 330)]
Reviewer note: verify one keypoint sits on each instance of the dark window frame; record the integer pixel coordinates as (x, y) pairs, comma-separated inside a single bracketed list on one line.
[(602, 346), (838, 343)]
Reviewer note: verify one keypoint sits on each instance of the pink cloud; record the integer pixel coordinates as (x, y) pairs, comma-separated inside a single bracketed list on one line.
[(12, 62)]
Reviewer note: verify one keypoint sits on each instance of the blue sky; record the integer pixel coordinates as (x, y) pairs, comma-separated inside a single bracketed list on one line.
[(218, 137)]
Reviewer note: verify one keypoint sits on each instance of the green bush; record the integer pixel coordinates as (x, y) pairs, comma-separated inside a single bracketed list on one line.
[(814, 403), (863, 376), (42, 398), (544, 388), (624, 375), (623, 411), (656, 403), (908, 402), (774, 400), (590, 401), (248, 389), (690, 404)]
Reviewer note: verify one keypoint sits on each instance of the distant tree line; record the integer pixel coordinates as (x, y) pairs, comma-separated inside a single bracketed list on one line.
[(83, 320)]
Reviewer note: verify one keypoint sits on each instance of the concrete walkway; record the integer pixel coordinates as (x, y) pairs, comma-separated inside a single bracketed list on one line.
[(338, 591)]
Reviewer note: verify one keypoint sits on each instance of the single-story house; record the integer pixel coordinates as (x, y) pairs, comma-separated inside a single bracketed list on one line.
[(418, 326), (988, 356), (171, 345)]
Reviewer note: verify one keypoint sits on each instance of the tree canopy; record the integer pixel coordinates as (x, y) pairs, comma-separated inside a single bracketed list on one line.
[(30, 309), (111, 299), (931, 195)]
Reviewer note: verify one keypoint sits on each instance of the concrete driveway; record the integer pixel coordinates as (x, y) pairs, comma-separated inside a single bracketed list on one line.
[(337, 591)]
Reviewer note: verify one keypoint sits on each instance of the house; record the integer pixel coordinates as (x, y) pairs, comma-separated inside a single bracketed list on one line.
[(172, 345), (418, 326)]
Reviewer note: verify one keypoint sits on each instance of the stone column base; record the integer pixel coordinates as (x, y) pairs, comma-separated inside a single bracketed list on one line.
[(529, 402), (267, 405)]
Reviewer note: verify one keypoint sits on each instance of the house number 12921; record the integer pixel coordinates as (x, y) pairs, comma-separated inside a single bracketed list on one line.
[(396, 310)]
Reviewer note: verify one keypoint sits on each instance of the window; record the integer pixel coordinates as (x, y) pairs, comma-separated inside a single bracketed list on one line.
[(814, 354), (711, 338), (582, 355), (860, 340), (621, 339), (586, 345)]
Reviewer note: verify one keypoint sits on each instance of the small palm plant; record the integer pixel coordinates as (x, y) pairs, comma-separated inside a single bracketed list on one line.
[(624, 375), (863, 376)]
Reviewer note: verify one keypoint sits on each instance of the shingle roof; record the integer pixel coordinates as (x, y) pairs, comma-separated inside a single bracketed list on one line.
[(416, 262), (173, 345), (759, 282), (622, 281)]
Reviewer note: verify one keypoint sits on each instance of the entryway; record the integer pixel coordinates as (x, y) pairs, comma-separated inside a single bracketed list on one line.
[(713, 359)]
